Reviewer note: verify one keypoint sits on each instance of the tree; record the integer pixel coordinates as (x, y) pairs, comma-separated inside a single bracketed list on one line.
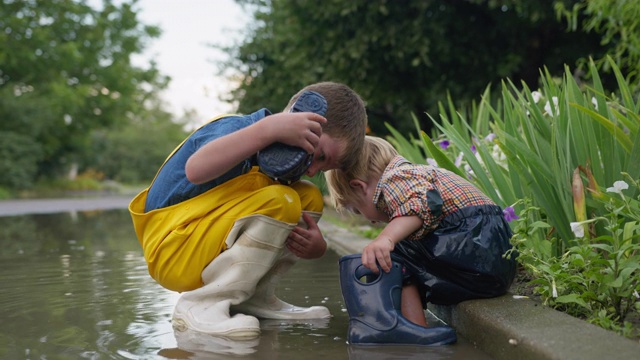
[(402, 56), (618, 23), (65, 71), (19, 156), (133, 154)]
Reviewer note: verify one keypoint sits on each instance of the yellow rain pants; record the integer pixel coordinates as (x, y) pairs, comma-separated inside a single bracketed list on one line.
[(180, 240)]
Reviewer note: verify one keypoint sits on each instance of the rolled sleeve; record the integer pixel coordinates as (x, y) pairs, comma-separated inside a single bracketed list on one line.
[(403, 198)]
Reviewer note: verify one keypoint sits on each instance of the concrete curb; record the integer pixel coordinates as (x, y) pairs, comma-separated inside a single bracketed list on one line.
[(510, 328)]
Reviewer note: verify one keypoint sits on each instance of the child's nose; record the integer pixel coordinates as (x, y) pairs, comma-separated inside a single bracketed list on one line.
[(312, 170)]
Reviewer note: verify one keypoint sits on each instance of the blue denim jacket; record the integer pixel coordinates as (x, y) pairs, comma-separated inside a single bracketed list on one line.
[(171, 185)]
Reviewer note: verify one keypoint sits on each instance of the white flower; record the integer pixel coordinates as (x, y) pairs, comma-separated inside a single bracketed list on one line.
[(594, 101), (497, 154), (432, 162), (635, 293), (547, 106), (618, 186), (536, 96), (578, 229), (459, 159), (479, 158), (468, 169), (490, 137)]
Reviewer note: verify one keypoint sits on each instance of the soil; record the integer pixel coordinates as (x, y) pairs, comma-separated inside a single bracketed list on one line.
[(522, 286)]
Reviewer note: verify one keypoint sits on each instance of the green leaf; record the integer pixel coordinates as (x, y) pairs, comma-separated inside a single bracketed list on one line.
[(618, 133), (440, 157), (572, 299), (607, 248), (404, 146)]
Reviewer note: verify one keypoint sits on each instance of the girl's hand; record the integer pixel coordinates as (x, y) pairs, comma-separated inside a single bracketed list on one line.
[(378, 252), (380, 249)]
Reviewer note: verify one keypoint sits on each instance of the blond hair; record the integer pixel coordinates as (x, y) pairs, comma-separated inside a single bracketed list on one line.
[(376, 155), (346, 118)]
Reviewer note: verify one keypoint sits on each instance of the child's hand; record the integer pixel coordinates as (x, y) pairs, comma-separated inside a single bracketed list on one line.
[(378, 252), (297, 129), (307, 243)]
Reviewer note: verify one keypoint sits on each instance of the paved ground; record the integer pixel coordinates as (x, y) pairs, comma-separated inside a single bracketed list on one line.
[(47, 206)]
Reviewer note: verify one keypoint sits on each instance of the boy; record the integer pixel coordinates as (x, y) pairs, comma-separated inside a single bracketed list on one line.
[(219, 230), (449, 236)]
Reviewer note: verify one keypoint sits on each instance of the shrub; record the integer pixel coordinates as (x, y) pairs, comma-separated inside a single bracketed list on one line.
[(545, 153)]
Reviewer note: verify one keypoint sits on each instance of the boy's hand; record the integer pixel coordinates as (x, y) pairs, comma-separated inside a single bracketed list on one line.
[(307, 243), (378, 252), (297, 129)]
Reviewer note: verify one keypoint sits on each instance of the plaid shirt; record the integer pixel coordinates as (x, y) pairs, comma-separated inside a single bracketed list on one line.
[(429, 192)]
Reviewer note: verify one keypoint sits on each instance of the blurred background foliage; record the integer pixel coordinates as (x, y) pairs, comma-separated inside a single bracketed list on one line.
[(72, 102), (404, 57), (70, 99)]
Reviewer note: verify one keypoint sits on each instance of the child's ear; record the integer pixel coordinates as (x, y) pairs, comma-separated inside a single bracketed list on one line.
[(358, 185)]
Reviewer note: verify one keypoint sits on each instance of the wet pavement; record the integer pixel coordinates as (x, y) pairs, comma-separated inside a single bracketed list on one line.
[(505, 328)]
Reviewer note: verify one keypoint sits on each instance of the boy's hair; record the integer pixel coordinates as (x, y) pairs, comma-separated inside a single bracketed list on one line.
[(376, 155), (346, 118)]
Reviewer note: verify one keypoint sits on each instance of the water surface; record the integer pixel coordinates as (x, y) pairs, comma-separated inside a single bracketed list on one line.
[(75, 286)]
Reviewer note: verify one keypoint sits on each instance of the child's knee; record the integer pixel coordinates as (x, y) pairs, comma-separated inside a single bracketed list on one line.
[(281, 203), (310, 196)]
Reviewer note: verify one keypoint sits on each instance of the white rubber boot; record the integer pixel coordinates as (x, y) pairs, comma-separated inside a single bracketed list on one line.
[(266, 305), (205, 346), (231, 278)]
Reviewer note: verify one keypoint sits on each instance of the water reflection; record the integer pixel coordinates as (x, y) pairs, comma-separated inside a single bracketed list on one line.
[(75, 286)]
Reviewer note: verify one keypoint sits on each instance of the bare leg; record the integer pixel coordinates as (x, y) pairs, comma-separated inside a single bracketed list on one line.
[(411, 305)]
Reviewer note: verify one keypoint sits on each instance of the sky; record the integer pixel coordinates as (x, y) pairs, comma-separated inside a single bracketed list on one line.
[(181, 52)]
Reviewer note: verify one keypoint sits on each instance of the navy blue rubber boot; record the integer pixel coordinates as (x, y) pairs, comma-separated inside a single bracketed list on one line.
[(310, 101), (286, 163), (373, 305)]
